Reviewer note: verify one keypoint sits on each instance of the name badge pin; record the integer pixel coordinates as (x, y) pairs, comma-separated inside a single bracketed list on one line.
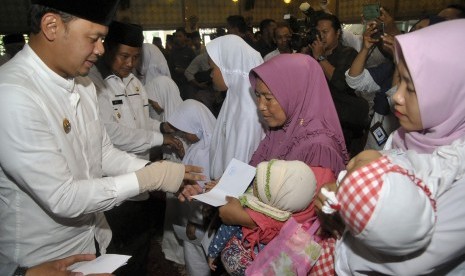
[(66, 125)]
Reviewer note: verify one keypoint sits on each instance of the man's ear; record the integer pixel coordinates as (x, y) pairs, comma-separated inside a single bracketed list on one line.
[(49, 25)]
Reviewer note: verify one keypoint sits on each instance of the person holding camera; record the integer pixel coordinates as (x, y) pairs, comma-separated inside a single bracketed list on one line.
[(375, 83), (335, 58)]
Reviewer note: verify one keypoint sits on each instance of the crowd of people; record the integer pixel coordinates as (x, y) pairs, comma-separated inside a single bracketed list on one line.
[(358, 136)]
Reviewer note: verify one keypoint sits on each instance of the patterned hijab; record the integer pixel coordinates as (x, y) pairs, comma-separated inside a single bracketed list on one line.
[(436, 61), (312, 132)]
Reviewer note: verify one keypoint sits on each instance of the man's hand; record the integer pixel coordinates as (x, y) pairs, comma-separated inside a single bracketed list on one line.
[(318, 48), (156, 106), (166, 128), (187, 190), (193, 173), (59, 267)]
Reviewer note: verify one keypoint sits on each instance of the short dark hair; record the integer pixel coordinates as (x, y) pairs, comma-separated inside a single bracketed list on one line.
[(460, 8), (36, 12), (335, 23), (195, 34), (181, 30), (237, 21), (282, 25), (265, 23)]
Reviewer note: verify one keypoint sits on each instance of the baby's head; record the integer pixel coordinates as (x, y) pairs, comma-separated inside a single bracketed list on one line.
[(281, 188)]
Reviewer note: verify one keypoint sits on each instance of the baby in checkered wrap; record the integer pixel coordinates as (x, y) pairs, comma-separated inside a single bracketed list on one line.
[(387, 199)]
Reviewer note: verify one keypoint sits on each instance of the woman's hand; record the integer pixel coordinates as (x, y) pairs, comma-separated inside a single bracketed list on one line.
[(368, 40), (331, 223), (390, 26), (388, 43), (211, 263), (234, 214)]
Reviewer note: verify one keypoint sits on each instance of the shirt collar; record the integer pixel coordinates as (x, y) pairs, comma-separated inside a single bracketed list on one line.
[(46, 72)]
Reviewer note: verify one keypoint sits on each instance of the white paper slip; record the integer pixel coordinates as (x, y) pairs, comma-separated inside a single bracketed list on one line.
[(235, 180), (103, 264)]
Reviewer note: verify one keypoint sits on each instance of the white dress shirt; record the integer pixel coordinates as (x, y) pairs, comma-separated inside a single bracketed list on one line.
[(124, 110), (53, 153)]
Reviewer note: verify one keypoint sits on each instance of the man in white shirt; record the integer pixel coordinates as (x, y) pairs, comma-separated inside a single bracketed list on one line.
[(122, 98), (54, 148)]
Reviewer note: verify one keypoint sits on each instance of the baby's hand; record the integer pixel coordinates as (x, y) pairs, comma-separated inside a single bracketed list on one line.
[(190, 231), (211, 263)]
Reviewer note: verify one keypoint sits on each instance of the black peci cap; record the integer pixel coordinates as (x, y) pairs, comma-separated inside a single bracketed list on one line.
[(97, 11), (13, 38), (125, 33)]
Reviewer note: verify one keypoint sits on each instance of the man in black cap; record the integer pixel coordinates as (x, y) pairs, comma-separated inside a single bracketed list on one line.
[(124, 110), (54, 148), (123, 100)]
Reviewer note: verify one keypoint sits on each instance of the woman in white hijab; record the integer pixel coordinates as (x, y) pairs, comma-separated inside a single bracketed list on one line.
[(196, 122), (238, 129), (152, 64)]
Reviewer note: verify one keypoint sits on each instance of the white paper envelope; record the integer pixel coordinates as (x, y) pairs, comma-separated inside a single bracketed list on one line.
[(234, 182)]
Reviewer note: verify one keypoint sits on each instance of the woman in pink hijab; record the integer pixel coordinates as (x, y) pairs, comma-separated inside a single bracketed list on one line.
[(429, 104), (309, 129), (294, 99)]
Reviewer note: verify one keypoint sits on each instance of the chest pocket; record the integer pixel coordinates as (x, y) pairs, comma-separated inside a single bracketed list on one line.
[(129, 111)]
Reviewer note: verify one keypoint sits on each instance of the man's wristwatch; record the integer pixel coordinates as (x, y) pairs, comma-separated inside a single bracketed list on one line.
[(20, 271), (321, 58)]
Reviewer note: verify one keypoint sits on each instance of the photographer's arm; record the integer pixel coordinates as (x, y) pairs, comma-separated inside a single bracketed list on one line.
[(390, 26), (318, 50), (358, 65)]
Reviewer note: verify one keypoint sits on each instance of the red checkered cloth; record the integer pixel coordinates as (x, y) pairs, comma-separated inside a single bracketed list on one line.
[(359, 192), (325, 264)]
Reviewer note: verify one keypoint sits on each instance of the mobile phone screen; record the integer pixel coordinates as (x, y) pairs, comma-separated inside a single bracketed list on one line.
[(371, 11)]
